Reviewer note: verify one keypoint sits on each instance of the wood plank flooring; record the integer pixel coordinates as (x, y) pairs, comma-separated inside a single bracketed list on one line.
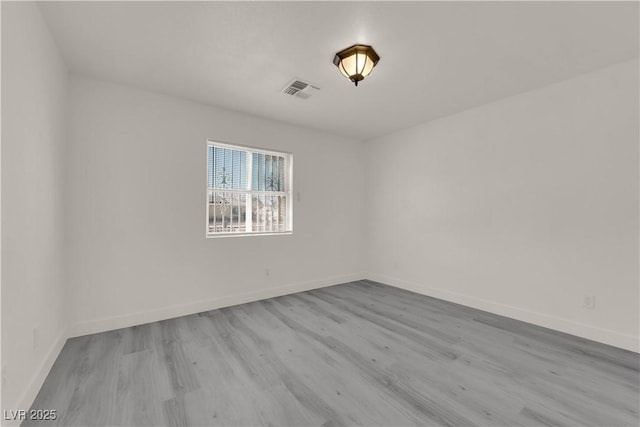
[(360, 353)]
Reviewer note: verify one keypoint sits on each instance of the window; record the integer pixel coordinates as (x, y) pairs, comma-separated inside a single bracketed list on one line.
[(248, 190)]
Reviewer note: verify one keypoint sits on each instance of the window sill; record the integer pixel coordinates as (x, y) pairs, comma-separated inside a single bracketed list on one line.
[(266, 233)]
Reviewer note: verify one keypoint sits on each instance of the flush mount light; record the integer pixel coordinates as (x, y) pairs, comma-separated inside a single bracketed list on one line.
[(356, 62)]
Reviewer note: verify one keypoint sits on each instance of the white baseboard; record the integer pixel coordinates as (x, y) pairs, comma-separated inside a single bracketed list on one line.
[(38, 377), (606, 336), (124, 321)]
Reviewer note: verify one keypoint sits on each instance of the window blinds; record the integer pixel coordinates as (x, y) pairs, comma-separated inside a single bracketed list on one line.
[(237, 204)]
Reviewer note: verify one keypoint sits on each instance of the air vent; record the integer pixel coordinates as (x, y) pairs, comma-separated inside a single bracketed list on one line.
[(300, 89)]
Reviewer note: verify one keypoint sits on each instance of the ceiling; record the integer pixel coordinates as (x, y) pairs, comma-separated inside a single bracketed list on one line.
[(437, 58)]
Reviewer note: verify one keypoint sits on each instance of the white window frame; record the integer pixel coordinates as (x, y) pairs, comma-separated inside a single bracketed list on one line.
[(288, 189)]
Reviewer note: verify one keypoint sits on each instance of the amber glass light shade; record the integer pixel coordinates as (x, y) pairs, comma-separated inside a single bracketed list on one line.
[(356, 62)]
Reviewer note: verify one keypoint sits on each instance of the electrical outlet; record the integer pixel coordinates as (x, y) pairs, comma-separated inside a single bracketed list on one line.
[(589, 302)]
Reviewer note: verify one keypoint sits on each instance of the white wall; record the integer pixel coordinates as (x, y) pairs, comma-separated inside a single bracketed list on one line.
[(137, 250), (34, 86), (521, 207)]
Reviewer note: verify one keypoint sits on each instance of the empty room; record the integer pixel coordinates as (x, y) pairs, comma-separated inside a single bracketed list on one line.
[(320, 213)]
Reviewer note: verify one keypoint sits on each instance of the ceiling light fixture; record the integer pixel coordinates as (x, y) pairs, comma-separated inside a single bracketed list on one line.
[(356, 62)]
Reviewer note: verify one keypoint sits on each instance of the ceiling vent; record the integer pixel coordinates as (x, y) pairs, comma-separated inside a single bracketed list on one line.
[(300, 89)]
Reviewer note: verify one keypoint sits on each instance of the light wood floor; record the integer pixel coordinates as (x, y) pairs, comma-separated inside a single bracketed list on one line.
[(361, 353)]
